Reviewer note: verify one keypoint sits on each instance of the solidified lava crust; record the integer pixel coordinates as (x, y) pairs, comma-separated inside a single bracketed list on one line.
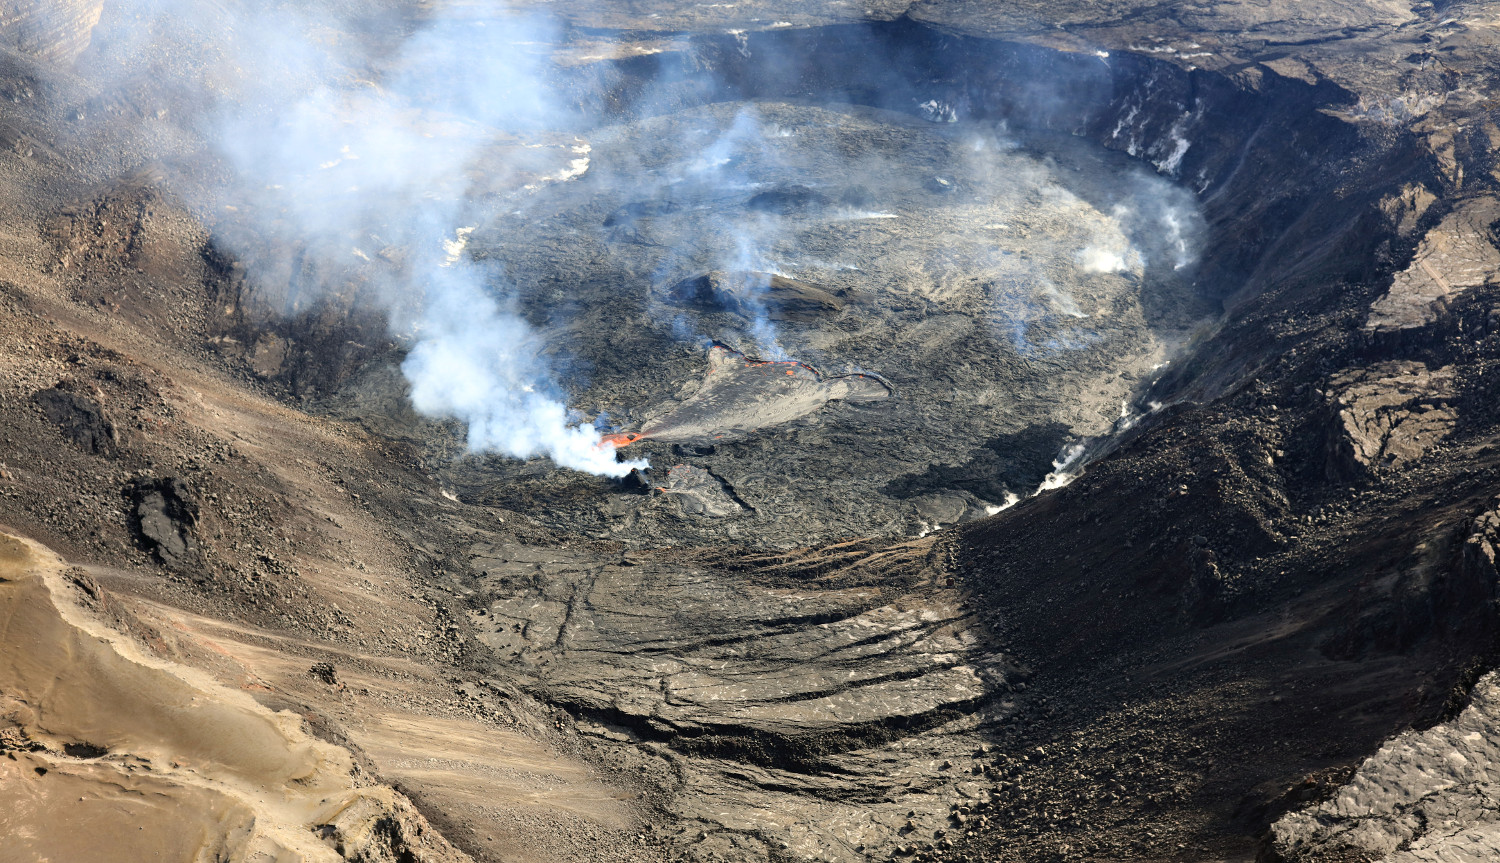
[(740, 395)]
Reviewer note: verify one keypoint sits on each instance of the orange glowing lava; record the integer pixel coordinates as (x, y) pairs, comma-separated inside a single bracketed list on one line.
[(621, 440)]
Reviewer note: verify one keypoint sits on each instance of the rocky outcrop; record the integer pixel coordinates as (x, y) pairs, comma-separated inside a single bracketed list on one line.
[(79, 416), (1425, 796), (1457, 255), (1481, 546), (1428, 795), (53, 30), (699, 492), (163, 515), (1389, 414)]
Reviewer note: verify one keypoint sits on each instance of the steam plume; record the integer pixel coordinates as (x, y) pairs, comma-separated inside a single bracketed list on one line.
[(370, 154), (339, 166)]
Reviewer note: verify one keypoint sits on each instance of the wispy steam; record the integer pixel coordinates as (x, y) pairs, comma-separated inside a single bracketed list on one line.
[(771, 189), (339, 163), (475, 360), (364, 153), (742, 241)]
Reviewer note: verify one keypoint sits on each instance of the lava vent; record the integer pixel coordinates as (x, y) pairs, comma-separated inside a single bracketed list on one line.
[(740, 395)]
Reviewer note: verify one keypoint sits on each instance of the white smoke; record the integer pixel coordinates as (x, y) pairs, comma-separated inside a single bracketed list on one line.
[(358, 148), (1106, 259), (1011, 499), (476, 361), (1065, 468), (749, 236), (340, 145)]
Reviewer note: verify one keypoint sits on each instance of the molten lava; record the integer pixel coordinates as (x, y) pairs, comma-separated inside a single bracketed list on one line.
[(621, 440)]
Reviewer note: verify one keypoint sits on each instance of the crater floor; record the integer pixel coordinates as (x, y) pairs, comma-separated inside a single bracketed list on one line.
[(1007, 300)]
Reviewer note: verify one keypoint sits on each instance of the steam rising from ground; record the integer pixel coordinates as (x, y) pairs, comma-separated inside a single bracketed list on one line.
[(476, 361), (867, 203), (361, 164), (339, 166)]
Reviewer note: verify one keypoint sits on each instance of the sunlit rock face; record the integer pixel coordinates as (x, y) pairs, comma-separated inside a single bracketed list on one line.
[(1421, 797), (1454, 257), (984, 290), (53, 30), (1391, 414)]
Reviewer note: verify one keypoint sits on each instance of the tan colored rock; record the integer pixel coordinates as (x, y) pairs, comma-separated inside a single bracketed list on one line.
[(268, 357), (156, 761), (53, 30), (1455, 256), (1480, 549), (1291, 67), (1391, 413), (1407, 208)]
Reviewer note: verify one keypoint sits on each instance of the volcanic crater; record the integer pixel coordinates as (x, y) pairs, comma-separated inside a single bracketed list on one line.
[(949, 284), (1071, 432)]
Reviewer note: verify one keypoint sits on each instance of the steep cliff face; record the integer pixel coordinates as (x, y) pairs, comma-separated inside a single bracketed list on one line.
[(53, 30)]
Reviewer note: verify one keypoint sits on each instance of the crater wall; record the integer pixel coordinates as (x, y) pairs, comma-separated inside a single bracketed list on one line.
[(54, 30)]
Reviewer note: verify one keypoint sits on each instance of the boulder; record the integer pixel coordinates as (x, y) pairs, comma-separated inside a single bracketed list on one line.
[(164, 516), (80, 417), (1387, 415)]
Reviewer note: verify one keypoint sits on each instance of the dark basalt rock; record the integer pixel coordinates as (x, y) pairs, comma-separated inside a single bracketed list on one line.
[(629, 213), (163, 516), (635, 483), (81, 418), (1009, 463), (786, 201), (85, 750), (758, 295)]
